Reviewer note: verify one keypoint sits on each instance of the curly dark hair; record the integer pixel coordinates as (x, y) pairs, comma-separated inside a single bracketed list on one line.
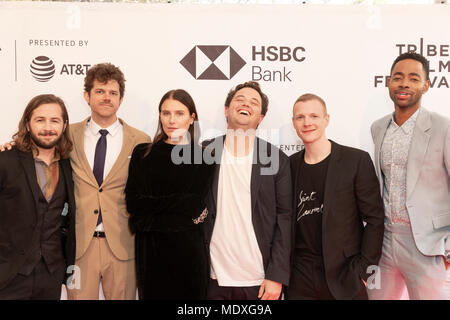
[(103, 72), (249, 84)]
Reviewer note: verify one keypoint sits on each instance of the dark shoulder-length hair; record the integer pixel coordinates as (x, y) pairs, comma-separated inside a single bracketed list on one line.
[(22, 138), (194, 129)]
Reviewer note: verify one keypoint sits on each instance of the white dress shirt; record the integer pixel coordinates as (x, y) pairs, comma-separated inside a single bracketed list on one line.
[(114, 141)]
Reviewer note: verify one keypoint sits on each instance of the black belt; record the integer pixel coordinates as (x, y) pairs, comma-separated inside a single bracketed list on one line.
[(99, 234)]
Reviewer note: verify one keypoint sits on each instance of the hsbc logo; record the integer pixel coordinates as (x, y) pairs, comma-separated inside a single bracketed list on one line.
[(212, 62)]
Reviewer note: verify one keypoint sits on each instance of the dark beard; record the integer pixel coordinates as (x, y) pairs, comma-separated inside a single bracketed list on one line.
[(41, 144)]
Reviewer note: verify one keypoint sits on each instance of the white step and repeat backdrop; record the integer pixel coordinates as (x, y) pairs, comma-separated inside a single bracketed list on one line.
[(342, 53)]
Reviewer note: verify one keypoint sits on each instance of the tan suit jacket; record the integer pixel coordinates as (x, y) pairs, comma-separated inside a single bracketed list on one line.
[(110, 196)]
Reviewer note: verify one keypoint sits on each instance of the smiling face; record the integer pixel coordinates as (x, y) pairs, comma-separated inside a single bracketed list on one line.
[(46, 125), (310, 120), (175, 120), (407, 84), (244, 111), (104, 100)]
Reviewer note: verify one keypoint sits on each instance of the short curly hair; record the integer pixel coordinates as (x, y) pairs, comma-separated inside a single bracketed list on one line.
[(103, 72), (249, 84)]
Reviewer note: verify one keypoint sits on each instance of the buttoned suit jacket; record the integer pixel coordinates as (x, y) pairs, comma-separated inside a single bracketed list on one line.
[(350, 199), (110, 196), (271, 198), (19, 196), (427, 179)]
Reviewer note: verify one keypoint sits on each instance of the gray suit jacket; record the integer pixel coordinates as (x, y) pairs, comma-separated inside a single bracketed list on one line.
[(427, 179)]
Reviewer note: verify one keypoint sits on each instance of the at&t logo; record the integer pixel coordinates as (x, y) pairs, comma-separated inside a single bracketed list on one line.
[(42, 68)]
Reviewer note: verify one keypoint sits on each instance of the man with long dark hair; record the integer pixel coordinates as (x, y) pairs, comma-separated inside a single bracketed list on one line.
[(37, 226)]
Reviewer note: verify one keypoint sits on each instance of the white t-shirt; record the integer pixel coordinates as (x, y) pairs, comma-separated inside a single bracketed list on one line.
[(236, 260)]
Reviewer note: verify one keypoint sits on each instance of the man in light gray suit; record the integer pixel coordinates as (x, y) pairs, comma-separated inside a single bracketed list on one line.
[(412, 160)]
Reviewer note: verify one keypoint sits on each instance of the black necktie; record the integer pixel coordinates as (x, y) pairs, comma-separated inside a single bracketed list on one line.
[(99, 163)]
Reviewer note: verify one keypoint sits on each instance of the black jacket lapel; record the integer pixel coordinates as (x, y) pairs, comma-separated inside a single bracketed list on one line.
[(217, 144), (26, 159), (67, 172), (330, 183), (255, 181)]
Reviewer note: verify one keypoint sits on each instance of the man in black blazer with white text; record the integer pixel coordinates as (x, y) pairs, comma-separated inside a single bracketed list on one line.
[(37, 209), (249, 220), (338, 212)]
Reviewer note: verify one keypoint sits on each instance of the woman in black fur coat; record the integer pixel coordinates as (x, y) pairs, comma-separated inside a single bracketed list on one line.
[(165, 199)]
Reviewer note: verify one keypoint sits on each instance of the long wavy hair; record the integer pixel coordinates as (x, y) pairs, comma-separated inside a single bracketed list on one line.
[(22, 138), (185, 98)]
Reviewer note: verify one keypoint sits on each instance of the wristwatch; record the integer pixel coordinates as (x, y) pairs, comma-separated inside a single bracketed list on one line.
[(447, 256)]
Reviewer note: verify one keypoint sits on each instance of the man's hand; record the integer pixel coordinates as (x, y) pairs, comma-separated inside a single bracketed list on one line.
[(6, 146), (364, 282), (269, 290)]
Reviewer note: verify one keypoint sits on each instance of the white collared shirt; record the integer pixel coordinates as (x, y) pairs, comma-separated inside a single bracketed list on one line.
[(114, 141)]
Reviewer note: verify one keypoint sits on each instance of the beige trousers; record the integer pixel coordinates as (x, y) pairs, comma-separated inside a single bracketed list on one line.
[(118, 277)]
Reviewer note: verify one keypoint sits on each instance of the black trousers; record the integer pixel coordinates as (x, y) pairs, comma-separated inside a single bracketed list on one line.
[(39, 285), (216, 292), (308, 281)]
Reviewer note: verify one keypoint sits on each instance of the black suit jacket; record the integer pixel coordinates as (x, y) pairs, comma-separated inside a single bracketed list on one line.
[(19, 192), (271, 198), (351, 197)]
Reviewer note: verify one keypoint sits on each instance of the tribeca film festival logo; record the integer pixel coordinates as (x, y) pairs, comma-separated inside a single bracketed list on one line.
[(212, 62), (438, 56), (222, 62), (43, 69)]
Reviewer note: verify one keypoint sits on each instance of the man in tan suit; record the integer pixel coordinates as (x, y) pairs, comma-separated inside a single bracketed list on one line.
[(103, 145)]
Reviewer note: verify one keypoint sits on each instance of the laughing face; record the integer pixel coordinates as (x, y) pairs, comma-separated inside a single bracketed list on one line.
[(407, 84), (244, 111)]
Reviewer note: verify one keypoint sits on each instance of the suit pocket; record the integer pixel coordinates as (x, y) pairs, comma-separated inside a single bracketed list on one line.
[(441, 221), (351, 250)]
